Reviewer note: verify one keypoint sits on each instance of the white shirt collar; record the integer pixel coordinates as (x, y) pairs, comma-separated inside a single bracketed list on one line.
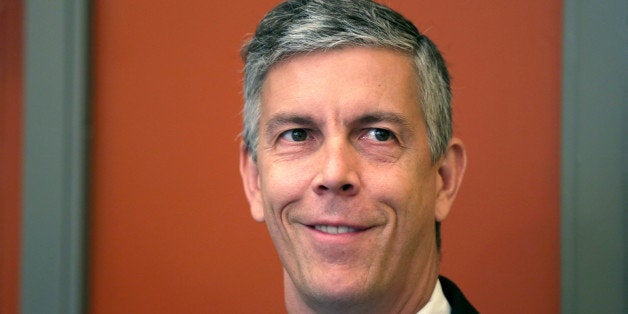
[(438, 303)]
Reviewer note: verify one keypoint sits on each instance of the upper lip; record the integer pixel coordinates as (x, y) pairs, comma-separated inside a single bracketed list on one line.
[(359, 220)]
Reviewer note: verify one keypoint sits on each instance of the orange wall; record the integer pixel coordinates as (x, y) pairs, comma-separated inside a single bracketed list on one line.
[(501, 241), (170, 228), (10, 151)]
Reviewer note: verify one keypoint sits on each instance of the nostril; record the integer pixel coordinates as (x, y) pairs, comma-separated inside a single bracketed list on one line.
[(345, 188)]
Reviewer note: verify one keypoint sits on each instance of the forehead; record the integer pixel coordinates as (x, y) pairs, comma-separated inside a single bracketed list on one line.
[(346, 79)]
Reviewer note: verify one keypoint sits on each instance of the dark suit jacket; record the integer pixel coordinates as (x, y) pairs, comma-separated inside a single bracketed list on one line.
[(457, 301)]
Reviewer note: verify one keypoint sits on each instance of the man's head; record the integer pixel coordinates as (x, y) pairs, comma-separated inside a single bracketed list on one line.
[(348, 155), (302, 26)]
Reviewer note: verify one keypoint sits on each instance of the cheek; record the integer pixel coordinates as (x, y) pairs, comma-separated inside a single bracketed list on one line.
[(415, 215), (409, 192), (283, 184)]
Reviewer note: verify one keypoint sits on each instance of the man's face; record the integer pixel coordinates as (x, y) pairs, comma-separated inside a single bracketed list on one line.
[(344, 179)]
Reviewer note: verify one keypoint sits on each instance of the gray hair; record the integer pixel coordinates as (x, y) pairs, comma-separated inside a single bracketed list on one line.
[(301, 26)]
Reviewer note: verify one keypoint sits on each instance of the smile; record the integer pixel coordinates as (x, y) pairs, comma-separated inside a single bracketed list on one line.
[(334, 229)]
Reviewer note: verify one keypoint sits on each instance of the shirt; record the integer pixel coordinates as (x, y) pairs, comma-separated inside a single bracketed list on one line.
[(438, 303)]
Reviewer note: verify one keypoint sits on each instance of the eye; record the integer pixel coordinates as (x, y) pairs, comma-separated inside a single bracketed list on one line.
[(295, 135), (380, 135)]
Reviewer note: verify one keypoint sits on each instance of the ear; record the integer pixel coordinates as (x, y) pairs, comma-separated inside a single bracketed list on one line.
[(250, 180), (450, 172)]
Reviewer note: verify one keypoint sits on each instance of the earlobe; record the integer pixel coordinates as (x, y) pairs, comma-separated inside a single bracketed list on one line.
[(250, 179), (450, 173)]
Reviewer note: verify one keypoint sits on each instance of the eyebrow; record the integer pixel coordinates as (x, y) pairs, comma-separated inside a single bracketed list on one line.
[(389, 117), (283, 119)]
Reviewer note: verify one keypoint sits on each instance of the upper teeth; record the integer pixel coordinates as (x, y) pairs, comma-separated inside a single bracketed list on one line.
[(334, 229)]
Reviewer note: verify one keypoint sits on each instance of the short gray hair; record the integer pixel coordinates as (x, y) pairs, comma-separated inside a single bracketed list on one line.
[(300, 26)]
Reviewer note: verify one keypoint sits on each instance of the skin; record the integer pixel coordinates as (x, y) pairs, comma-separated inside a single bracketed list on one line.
[(343, 143)]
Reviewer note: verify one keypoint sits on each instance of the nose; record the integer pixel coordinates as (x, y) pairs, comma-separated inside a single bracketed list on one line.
[(338, 170)]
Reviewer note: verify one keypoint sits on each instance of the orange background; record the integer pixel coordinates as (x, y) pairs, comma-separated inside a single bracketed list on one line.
[(170, 227)]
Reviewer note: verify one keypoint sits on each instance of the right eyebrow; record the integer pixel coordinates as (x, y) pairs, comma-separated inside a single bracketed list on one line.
[(283, 119)]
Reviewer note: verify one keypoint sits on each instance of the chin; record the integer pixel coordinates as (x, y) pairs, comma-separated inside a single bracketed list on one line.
[(340, 290)]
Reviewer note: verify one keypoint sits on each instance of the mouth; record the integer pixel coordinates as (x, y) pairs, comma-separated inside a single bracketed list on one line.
[(334, 242), (339, 229), (334, 229)]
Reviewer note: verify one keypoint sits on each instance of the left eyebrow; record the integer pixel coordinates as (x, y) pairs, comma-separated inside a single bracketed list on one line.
[(390, 117)]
